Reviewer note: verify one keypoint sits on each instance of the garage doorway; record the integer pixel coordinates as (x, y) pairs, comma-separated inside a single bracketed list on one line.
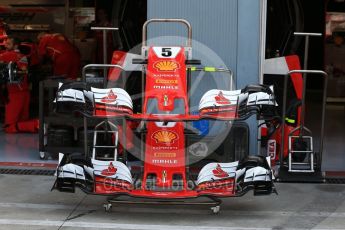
[(20, 150)]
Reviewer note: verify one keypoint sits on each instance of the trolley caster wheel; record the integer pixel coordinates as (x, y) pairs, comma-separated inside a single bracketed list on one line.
[(107, 207), (43, 156), (215, 210)]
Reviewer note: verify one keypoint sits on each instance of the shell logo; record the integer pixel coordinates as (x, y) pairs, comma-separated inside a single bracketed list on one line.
[(164, 137), (166, 65)]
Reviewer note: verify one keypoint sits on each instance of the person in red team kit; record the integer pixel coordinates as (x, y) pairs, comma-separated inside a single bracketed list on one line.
[(3, 35), (17, 106), (65, 56)]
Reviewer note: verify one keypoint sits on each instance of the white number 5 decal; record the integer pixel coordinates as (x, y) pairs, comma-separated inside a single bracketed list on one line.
[(166, 52)]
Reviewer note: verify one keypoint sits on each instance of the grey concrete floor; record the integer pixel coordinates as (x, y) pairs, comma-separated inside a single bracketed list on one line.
[(27, 203)]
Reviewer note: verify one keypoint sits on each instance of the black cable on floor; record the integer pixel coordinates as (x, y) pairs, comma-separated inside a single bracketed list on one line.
[(75, 208)]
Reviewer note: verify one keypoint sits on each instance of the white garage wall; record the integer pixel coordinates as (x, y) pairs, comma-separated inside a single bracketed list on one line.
[(231, 28)]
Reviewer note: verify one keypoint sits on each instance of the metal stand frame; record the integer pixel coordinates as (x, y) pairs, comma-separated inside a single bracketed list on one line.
[(302, 128), (304, 133), (309, 152), (105, 30), (113, 130), (93, 66), (48, 117), (214, 203), (188, 47)]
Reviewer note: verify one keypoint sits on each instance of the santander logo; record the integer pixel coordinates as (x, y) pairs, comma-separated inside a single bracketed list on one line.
[(110, 171), (111, 97), (219, 172), (220, 99)]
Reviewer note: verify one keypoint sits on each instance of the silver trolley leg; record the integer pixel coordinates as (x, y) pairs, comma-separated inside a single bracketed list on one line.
[(107, 207)]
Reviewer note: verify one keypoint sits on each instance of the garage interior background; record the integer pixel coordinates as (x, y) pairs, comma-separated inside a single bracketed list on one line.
[(235, 25)]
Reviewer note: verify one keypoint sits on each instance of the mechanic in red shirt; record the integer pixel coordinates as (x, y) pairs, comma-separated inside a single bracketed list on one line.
[(64, 55), (3, 35), (17, 106)]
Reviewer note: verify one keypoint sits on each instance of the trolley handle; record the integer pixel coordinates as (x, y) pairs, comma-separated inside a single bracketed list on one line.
[(189, 27), (98, 66)]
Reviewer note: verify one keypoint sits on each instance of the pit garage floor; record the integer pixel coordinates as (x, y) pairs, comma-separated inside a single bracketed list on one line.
[(27, 203), (333, 157), (21, 149)]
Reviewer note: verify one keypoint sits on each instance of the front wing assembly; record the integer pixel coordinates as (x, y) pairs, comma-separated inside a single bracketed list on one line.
[(215, 104), (214, 179)]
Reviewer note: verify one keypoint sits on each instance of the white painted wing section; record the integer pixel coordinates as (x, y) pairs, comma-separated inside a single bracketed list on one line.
[(209, 98), (206, 173), (268, 159), (118, 91), (214, 92), (261, 98), (71, 171), (122, 97), (257, 174), (122, 172), (70, 95)]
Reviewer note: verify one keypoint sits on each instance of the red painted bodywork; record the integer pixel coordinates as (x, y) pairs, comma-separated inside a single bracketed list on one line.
[(164, 151), (165, 154), (109, 186), (166, 81), (277, 137), (166, 93), (293, 63), (118, 58)]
